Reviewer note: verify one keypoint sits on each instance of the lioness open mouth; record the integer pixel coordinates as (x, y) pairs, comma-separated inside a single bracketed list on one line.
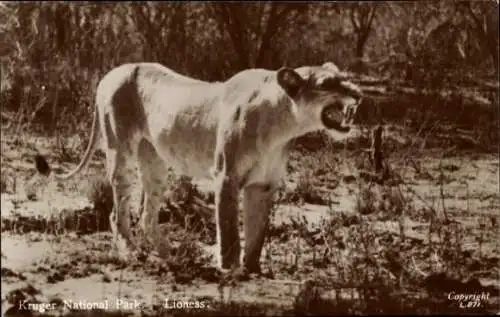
[(329, 122)]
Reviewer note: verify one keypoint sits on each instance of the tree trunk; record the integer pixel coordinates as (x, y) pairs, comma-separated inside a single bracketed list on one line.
[(360, 46)]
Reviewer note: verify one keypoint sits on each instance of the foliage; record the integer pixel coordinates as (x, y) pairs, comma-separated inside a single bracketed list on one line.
[(54, 53)]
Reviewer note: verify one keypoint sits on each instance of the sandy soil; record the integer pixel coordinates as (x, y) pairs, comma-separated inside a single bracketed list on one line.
[(69, 267)]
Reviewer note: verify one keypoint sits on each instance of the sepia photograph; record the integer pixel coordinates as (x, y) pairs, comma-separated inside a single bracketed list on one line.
[(262, 158)]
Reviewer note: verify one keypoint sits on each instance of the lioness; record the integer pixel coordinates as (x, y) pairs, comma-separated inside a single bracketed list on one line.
[(235, 132)]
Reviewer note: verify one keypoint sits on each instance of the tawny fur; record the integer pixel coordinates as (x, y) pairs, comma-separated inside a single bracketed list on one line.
[(236, 133)]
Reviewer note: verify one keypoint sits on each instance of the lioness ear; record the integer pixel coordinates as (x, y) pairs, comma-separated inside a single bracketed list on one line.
[(331, 66), (290, 81)]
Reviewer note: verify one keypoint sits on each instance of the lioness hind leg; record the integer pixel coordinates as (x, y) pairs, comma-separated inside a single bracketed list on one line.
[(257, 203), (153, 174), (121, 179), (228, 240)]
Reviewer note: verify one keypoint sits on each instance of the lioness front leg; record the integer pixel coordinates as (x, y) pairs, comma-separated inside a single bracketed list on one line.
[(257, 203), (226, 217)]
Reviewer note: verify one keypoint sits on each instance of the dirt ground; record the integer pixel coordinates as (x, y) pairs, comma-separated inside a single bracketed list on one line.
[(425, 243)]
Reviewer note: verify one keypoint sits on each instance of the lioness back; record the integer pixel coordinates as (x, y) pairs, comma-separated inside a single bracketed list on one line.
[(178, 115)]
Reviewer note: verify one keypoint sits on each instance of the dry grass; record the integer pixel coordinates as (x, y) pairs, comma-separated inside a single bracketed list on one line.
[(379, 248)]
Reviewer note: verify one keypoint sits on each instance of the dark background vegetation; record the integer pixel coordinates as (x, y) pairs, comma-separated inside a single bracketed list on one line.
[(445, 52), (433, 66)]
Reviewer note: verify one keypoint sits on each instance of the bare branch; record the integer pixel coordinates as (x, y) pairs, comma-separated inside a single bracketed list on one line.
[(276, 18), (479, 25), (354, 21), (229, 18), (163, 15), (373, 9)]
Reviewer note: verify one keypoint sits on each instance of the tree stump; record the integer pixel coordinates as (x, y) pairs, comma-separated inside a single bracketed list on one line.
[(376, 156)]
